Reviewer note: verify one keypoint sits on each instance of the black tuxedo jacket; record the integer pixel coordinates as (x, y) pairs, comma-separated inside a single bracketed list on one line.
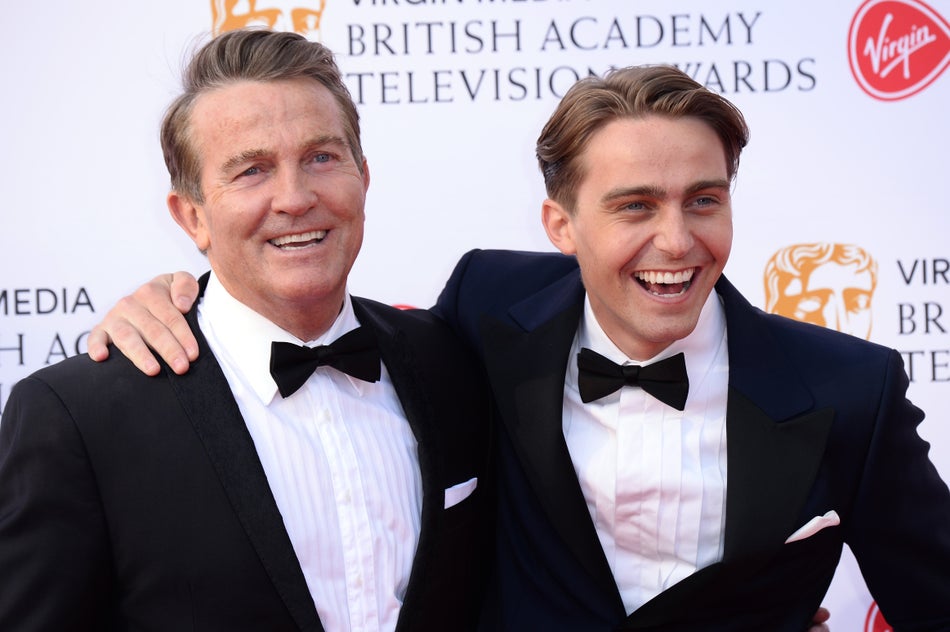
[(137, 503), (816, 421)]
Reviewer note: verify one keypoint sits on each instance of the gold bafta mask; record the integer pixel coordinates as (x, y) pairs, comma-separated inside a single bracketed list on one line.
[(825, 284), (299, 16)]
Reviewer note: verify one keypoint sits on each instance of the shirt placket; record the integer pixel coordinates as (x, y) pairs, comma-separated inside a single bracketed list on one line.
[(355, 534)]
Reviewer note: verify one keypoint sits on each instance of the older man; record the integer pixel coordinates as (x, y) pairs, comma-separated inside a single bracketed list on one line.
[(320, 467)]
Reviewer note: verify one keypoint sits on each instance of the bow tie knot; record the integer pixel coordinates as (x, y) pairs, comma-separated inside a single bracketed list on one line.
[(355, 353), (665, 380), (631, 374)]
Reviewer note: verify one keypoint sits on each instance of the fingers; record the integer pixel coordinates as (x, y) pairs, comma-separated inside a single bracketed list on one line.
[(96, 343), (117, 328), (184, 291), (819, 621), (148, 318)]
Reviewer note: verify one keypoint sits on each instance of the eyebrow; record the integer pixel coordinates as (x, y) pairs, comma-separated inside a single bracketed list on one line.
[(709, 184), (658, 192), (250, 155)]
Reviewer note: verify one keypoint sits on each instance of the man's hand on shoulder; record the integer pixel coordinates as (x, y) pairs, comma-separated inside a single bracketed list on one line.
[(819, 623), (151, 318)]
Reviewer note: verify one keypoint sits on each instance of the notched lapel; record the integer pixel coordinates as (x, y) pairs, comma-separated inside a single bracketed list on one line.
[(526, 362), (207, 399)]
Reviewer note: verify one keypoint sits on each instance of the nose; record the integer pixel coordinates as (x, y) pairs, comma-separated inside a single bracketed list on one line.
[(293, 192), (673, 234)]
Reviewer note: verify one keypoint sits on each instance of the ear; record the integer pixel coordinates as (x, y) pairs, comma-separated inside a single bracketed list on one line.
[(365, 176), (559, 226), (191, 218)]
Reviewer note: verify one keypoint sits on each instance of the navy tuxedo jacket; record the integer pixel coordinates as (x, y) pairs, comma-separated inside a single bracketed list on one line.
[(816, 421), (137, 503)]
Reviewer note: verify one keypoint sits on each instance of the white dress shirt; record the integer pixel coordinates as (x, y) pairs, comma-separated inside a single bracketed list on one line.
[(654, 477), (341, 462)]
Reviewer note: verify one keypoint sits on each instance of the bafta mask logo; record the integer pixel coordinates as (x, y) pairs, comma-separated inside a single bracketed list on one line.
[(300, 16), (825, 284), (896, 48)]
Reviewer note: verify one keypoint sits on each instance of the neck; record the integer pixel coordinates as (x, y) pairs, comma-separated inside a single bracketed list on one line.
[(307, 324)]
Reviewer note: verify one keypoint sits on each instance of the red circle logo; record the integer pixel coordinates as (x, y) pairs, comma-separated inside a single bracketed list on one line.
[(875, 621), (897, 48)]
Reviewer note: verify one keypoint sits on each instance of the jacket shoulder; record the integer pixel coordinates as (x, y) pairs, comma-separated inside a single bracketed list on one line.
[(82, 375), (515, 266)]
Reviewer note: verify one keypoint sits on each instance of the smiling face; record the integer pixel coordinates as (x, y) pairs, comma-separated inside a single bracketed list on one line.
[(282, 216), (651, 227)]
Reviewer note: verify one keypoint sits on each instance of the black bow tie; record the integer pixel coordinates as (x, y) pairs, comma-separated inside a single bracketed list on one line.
[(666, 380), (355, 353)]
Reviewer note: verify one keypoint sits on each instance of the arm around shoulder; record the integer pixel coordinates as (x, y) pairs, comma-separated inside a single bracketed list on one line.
[(151, 318)]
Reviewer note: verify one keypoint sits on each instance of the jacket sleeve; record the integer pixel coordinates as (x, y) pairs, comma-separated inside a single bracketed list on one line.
[(900, 531), (54, 553)]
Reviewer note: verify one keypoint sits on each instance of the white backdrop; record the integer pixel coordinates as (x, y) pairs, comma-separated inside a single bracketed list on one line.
[(453, 94)]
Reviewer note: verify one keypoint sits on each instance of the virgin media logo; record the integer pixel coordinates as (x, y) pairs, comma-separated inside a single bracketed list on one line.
[(875, 621), (897, 48)]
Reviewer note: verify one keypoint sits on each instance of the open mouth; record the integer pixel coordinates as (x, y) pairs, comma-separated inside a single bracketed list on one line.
[(301, 240), (661, 283)]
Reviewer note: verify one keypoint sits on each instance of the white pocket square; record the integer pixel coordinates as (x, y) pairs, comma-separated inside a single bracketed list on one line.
[(815, 525), (457, 493)]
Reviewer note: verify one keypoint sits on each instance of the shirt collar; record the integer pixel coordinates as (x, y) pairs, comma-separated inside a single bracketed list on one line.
[(700, 346), (244, 336)]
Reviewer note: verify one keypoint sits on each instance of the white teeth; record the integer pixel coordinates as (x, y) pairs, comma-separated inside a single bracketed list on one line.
[(681, 276), (317, 235)]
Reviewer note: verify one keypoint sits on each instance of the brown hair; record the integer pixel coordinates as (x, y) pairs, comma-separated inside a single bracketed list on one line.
[(248, 55), (637, 91)]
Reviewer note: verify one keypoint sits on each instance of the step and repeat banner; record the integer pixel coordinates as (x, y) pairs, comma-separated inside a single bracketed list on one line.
[(840, 208)]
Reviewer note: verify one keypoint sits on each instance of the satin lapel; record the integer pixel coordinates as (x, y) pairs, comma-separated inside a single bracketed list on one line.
[(775, 438), (771, 469), (206, 398), (526, 361), (775, 442), (397, 355)]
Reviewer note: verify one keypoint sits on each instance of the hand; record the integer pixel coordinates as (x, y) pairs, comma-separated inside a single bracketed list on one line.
[(151, 316), (818, 622)]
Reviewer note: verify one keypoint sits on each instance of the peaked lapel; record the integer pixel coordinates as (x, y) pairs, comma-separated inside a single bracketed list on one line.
[(526, 359), (776, 439), (775, 443), (396, 353), (207, 400)]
